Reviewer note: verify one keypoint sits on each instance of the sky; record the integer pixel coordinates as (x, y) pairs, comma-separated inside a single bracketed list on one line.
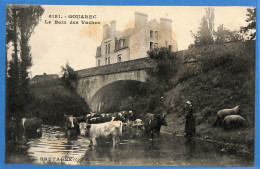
[(54, 45)]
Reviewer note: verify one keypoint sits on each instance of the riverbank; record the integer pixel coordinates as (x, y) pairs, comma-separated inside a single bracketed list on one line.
[(240, 141), (223, 81)]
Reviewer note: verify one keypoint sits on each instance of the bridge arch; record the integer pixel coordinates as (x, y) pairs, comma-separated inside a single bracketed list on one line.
[(110, 96), (88, 87)]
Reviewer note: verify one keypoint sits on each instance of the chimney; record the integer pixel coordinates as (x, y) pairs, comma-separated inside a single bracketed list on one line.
[(166, 24), (106, 31), (113, 28), (140, 19)]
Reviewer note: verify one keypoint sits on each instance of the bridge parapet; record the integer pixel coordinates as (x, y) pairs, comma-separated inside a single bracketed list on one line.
[(132, 65)]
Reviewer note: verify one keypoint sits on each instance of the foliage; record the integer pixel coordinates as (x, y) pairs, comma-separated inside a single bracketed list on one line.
[(160, 78), (251, 20), (162, 73), (53, 100), (68, 75), (224, 35), (20, 24), (205, 34), (215, 62)]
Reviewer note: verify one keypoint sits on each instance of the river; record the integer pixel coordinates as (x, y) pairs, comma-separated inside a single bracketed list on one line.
[(167, 150)]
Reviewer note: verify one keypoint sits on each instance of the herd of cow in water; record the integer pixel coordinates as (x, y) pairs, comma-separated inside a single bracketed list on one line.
[(92, 125), (112, 125)]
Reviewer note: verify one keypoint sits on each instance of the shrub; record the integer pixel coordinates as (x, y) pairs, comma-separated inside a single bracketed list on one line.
[(211, 63)]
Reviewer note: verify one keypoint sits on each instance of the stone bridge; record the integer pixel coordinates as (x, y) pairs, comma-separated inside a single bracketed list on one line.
[(105, 86)]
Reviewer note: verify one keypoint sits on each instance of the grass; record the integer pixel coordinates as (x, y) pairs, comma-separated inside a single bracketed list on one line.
[(222, 82)]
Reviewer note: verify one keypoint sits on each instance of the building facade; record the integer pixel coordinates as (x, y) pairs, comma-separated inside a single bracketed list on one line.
[(134, 43), (42, 78)]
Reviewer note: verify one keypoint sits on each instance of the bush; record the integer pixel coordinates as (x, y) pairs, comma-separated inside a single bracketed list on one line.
[(211, 63)]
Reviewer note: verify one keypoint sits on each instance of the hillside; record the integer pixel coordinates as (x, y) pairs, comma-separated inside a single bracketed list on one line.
[(53, 99), (221, 81)]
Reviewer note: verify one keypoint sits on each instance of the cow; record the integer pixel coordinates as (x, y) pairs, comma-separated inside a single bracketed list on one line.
[(71, 126), (96, 120), (126, 116), (153, 123), (81, 119), (223, 113), (113, 128), (82, 128), (233, 122), (31, 127)]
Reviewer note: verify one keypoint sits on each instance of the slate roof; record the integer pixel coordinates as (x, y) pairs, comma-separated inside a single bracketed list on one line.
[(44, 77)]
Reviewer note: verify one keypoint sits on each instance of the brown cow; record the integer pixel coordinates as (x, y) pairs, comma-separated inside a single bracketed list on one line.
[(153, 123)]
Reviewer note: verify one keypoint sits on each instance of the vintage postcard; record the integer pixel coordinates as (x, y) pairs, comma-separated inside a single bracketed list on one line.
[(100, 85)]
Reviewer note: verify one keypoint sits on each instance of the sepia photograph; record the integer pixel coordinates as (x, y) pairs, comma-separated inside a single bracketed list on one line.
[(97, 85)]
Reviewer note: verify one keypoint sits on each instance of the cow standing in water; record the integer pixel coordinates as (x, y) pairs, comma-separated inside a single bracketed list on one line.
[(94, 131), (71, 126), (153, 123), (31, 127)]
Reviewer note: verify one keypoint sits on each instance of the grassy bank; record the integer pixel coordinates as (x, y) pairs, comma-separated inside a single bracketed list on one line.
[(223, 81)]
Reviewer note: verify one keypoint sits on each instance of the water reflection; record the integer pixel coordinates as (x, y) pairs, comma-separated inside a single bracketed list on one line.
[(55, 148), (189, 148)]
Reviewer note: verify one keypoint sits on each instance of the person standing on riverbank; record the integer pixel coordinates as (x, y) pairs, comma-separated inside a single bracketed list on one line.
[(190, 125)]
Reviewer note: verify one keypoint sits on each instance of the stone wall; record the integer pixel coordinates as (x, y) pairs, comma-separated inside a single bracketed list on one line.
[(191, 60), (138, 64)]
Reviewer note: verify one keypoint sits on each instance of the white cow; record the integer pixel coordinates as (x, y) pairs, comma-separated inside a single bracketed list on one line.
[(113, 128), (82, 128)]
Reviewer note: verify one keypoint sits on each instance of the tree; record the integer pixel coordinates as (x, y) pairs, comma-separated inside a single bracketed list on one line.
[(164, 70), (251, 27), (224, 35), (68, 75), (205, 34), (20, 24)]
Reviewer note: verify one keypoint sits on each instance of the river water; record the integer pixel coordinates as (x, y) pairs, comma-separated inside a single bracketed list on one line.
[(167, 150)]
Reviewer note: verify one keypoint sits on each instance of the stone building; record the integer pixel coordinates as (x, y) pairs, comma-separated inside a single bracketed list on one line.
[(42, 78), (134, 43)]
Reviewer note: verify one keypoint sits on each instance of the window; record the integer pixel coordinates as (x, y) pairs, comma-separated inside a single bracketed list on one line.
[(98, 62), (123, 43), (108, 61), (170, 47), (151, 33), (119, 58), (151, 45), (156, 34), (108, 48)]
